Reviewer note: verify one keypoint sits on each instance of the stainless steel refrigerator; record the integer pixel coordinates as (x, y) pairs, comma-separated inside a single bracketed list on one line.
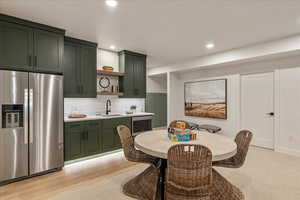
[(31, 121)]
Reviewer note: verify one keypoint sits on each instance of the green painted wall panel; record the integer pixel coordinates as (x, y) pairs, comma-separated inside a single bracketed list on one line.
[(157, 103)]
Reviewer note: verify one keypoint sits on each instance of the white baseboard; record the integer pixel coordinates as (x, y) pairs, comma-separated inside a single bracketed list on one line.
[(292, 152), (263, 143)]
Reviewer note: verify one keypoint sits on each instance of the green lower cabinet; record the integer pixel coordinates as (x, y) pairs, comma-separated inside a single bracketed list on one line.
[(93, 137), (82, 139), (110, 138), (74, 141), (122, 121), (86, 138)]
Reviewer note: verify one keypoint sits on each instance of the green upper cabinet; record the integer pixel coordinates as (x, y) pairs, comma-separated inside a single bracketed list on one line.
[(133, 84), (88, 55), (71, 68), (48, 50), (80, 68), (29, 46), (16, 46)]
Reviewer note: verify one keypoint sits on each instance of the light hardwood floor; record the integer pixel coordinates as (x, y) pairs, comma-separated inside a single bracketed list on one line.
[(44, 187)]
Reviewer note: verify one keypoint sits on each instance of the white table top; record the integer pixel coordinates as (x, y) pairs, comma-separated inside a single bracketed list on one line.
[(157, 143)]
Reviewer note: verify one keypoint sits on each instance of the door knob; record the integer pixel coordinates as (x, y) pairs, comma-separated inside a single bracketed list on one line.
[(271, 114)]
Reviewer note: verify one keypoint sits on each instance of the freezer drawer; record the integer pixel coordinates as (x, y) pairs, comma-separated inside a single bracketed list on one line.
[(45, 122), (13, 125)]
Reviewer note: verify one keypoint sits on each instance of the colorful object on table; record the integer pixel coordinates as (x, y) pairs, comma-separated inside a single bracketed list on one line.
[(108, 68), (179, 135)]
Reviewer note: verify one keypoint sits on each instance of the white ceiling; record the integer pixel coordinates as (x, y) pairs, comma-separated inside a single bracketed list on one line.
[(168, 31)]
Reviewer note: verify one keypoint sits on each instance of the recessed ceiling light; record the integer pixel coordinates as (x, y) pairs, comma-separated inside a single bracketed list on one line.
[(111, 3), (210, 45), (112, 47)]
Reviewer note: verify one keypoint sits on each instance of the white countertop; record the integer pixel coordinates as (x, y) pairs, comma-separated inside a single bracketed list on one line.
[(96, 117)]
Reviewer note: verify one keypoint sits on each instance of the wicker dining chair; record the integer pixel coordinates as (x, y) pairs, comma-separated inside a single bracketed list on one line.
[(143, 186), (190, 176), (243, 140)]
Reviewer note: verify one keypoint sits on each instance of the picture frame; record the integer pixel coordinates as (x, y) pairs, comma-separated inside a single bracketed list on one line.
[(206, 98)]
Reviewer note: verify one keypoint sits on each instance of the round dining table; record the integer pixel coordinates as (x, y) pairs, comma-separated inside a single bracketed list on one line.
[(156, 143)]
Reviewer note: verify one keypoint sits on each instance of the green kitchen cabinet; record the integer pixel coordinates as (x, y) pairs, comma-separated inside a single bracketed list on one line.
[(86, 138), (133, 84), (89, 71), (93, 138), (71, 68), (74, 140), (29, 46), (121, 121), (16, 46), (80, 68), (48, 51), (82, 139), (110, 138)]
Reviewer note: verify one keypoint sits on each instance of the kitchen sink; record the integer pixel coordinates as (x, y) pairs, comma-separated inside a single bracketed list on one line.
[(110, 115)]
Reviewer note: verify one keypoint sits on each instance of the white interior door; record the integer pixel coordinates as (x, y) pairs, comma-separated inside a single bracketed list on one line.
[(257, 107)]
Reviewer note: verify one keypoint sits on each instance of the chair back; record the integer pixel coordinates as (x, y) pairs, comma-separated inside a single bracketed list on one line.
[(189, 167), (243, 140), (126, 140)]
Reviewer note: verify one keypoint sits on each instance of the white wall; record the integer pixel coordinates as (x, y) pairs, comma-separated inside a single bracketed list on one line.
[(287, 98), (107, 58), (157, 84), (229, 126), (92, 106), (175, 100), (288, 111)]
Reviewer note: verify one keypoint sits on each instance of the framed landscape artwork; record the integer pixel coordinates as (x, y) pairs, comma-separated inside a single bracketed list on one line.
[(206, 98)]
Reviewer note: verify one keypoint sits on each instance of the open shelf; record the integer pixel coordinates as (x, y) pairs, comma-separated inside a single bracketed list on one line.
[(111, 93), (108, 73)]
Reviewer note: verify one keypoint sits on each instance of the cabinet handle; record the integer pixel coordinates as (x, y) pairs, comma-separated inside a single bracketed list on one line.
[(136, 91), (87, 135), (29, 60), (81, 89), (35, 61)]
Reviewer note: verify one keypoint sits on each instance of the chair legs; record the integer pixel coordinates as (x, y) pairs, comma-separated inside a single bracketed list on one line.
[(144, 186), (222, 189)]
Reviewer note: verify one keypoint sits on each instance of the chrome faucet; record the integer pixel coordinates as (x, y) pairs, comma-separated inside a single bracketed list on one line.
[(108, 104)]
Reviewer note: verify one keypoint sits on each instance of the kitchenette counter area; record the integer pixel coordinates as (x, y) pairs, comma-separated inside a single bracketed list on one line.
[(97, 134), (110, 116)]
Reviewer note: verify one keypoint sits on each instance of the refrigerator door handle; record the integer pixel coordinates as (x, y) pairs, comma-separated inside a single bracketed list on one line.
[(31, 116), (25, 116)]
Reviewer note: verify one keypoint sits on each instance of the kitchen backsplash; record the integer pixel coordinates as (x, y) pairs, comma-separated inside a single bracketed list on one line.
[(93, 106)]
